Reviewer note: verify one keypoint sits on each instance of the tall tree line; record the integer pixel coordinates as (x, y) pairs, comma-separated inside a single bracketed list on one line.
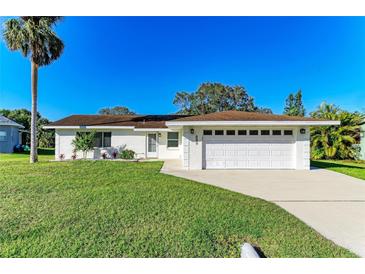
[(294, 104), (214, 97)]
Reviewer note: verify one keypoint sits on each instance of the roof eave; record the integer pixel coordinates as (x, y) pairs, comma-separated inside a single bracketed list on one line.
[(252, 123), (87, 127), (11, 124)]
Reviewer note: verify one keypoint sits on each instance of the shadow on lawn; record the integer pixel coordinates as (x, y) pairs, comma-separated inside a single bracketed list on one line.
[(41, 151), (318, 164)]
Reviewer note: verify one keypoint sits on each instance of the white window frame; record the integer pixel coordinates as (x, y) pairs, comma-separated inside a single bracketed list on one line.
[(172, 139), (102, 138)]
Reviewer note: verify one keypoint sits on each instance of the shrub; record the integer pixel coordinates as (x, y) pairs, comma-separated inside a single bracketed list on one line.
[(62, 156), (336, 141), (127, 154), (84, 141), (317, 153)]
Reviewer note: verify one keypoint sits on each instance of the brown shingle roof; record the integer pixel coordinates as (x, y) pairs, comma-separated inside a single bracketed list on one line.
[(234, 115), (158, 121), (138, 121)]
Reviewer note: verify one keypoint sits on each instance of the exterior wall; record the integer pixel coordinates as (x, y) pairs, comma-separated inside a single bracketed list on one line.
[(193, 157), (12, 140), (362, 142), (169, 153), (121, 139), (302, 148), (129, 139), (193, 144)]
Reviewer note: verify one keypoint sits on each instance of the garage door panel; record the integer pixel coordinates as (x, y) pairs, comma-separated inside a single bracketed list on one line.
[(215, 164), (233, 154)]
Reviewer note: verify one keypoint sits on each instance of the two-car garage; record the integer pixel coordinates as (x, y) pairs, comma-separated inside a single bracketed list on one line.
[(248, 149), (246, 140), (241, 154)]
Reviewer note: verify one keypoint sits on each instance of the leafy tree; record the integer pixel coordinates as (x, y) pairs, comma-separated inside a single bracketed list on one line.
[(35, 38), (23, 116), (215, 97), (84, 141), (335, 142), (118, 110), (294, 105)]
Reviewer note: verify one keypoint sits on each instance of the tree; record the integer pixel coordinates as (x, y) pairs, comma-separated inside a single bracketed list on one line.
[(118, 110), (34, 37), (23, 116), (294, 105), (214, 97), (84, 141), (335, 142)]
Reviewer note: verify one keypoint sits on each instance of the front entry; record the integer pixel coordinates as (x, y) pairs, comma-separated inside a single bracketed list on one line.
[(152, 145)]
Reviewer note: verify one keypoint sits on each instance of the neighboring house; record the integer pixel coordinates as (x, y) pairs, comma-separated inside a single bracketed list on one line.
[(362, 142), (221, 140), (10, 134)]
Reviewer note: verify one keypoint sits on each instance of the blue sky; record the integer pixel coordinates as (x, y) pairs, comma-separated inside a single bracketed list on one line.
[(141, 62)]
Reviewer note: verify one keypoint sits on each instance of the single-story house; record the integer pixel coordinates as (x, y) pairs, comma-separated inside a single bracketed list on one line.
[(10, 134), (221, 140)]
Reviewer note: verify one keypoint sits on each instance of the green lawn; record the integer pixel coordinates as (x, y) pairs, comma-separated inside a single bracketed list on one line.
[(353, 168), (44, 154), (120, 209)]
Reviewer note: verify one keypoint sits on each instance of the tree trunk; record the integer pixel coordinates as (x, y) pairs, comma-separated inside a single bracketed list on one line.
[(33, 124)]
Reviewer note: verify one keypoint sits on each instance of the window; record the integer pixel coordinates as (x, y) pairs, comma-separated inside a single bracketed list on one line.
[(107, 139), (207, 132), (3, 136), (102, 139), (242, 132), (288, 132), (276, 132), (219, 132), (231, 132), (98, 142), (254, 132), (265, 132), (172, 139)]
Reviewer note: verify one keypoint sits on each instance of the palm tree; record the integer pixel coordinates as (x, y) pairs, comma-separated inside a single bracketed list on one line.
[(34, 37), (332, 142)]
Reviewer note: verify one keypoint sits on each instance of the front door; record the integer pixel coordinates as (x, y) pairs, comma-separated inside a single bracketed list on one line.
[(152, 145)]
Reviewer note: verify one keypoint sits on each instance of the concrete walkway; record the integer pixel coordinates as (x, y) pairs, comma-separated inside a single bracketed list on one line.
[(330, 202)]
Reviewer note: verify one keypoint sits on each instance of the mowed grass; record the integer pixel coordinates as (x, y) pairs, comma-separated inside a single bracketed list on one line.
[(120, 209), (352, 168), (44, 154)]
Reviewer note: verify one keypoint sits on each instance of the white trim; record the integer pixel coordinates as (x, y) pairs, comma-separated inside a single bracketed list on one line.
[(88, 127), (153, 129), (11, 124), (252, 123)]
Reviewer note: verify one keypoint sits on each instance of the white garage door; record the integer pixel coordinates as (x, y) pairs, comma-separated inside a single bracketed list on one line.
[(245, 155)]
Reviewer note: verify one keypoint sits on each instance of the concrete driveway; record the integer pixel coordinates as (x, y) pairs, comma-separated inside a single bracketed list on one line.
[(330, 202)]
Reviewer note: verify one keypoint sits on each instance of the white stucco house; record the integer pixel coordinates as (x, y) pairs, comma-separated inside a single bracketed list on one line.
[(221, 140)]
